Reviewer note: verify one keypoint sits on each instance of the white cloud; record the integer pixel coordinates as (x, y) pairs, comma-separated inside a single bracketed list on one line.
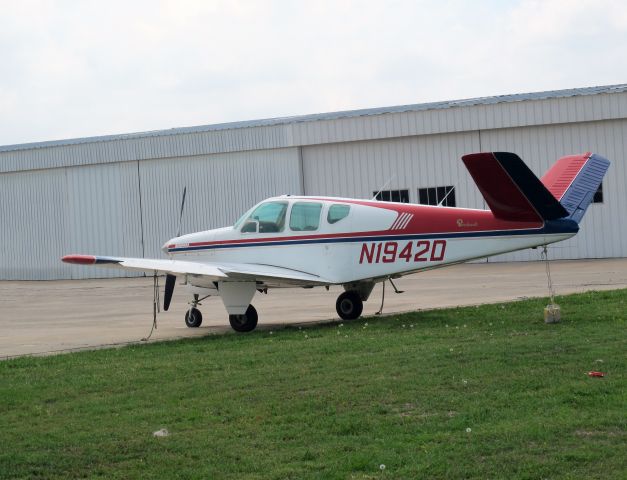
[(88, 68)]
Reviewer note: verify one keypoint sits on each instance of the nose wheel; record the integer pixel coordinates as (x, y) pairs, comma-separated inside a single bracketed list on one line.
[(349, 305), (246, 322), (193, 318)]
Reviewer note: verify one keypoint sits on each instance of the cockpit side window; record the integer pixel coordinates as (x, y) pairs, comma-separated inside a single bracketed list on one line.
[(337, 212), (268, 217), (305, 216)]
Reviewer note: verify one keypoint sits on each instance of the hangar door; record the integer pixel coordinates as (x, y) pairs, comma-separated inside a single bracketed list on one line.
[(55, 212)]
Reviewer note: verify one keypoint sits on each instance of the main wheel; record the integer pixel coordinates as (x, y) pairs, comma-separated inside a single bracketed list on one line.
[(193, 318), (349, 306), (246, 322)]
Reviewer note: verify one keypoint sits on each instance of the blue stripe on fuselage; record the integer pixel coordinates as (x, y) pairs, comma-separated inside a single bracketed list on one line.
[(550, 227)]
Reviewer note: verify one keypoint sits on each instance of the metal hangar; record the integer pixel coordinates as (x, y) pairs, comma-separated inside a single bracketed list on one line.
[(120, 194)]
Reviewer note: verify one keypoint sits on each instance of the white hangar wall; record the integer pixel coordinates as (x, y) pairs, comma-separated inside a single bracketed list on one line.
[(603, 231), (129, 208), (121, 194), (220, 188), (49, 213), (357, 169)]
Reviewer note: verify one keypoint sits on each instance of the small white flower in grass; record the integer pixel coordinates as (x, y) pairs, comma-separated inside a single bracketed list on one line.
[(411, 326), (345, 336), (465, 382), (366, 324), (381, 467), (341, 324), (271, 332), (446, 325), (451, 349), (490, 323), (306, 336), (468, 430), (464, 325)]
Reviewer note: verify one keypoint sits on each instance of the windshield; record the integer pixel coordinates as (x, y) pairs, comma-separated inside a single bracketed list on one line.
[(266, 218), (242, 218)]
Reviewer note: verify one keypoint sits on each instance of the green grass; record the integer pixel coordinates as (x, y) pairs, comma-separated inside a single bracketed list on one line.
[(337, 401)]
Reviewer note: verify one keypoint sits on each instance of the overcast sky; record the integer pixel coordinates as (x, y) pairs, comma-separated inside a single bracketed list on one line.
[(82, 68)]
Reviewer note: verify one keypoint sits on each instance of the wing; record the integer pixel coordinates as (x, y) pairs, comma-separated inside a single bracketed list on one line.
[(212, 271)]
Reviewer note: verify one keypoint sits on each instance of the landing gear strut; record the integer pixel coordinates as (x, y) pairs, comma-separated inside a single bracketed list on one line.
[(246, 322), (349, 305), (193, 317)]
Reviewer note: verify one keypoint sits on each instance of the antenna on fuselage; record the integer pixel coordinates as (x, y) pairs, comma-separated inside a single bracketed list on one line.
[(383, 187), (447, 194)]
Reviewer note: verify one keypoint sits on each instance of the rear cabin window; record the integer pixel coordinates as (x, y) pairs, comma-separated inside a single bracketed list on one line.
[(305, 216), (269, 216), (337, 213)]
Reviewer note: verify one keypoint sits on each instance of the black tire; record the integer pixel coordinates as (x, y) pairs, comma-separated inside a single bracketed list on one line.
[(349, 306), (244, 323), (193, 318)]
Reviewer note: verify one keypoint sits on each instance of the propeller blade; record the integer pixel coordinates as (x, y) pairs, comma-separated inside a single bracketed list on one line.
[(178, 234), (169, 289)]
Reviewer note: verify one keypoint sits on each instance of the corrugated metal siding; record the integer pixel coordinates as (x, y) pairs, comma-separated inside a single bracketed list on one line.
[(219, 189), (358, 169), (50, 213), (143, 148), (96, 209), (460, 119), (603, 230), (426, 119)]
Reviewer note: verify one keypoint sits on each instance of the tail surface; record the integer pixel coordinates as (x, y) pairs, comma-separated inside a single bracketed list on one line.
[(514, 193), (573, 180)]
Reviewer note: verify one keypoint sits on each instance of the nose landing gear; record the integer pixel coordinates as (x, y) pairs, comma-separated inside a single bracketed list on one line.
[(193, 317)]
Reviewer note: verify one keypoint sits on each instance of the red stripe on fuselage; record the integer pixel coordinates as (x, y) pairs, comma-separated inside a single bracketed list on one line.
[(426, 220)]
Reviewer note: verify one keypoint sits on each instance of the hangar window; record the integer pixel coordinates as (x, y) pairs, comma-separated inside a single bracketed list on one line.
[(266, 218), (598, 195), (401, 196), (305, 216), (337, 213), (435, 195)]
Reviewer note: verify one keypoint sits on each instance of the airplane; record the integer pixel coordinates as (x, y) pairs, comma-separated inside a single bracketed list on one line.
[(310, 241)]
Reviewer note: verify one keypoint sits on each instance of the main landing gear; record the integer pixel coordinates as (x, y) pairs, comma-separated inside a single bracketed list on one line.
[(349, 305), (246, 322), (240, 323)]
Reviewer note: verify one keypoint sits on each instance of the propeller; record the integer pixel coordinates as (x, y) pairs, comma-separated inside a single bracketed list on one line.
[(170, 280)]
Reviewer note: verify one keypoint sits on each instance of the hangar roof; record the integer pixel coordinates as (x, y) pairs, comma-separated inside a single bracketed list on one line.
[(421, 107)]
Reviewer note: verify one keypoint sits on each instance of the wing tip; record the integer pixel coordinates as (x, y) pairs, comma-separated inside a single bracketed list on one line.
[(89, 260), (79, 259)]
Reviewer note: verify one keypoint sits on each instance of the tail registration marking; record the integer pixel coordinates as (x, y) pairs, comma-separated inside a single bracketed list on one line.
[(390, 252)]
